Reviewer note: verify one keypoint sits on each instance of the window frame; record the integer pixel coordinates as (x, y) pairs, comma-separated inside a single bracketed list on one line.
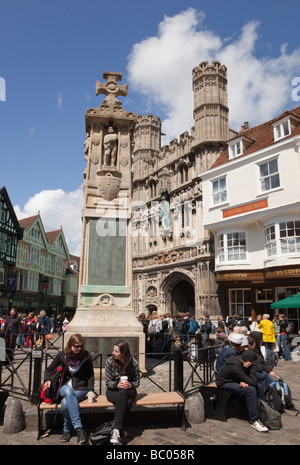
[(240, 306), (269, 175), (223, 251), (279, 135), (277, 241), (219, 192), (235, 148)]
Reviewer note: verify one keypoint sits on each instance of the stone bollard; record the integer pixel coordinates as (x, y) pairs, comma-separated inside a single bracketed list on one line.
[(194, 409), (14, 420)]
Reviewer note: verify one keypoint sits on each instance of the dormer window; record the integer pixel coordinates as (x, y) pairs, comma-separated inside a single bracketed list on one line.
[(235, 148), (282, 129)]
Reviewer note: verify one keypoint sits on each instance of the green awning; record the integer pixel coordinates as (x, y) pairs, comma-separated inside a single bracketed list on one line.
[(290, 302)]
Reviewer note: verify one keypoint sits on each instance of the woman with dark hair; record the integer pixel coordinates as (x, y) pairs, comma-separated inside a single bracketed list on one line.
[(78, 381), (263, 365), (122, 378)]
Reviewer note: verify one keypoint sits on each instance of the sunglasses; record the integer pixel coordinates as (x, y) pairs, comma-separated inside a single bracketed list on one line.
[(77, 346)]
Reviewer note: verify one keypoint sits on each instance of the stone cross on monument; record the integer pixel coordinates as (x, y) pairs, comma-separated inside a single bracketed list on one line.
[(105, 313), (111, 88)]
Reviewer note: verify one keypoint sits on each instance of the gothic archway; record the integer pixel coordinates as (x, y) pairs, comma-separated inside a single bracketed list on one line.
[(183, 298), (179, 292)]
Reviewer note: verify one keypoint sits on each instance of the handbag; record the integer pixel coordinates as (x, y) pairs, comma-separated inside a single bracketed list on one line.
[(49, 336), (39, 341), (51, 395)]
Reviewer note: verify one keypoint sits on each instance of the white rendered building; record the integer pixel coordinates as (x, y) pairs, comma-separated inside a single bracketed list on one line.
[(251, 204)]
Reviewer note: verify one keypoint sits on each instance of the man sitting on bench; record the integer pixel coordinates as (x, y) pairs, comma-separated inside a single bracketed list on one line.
[(238, 376), (236, 345)]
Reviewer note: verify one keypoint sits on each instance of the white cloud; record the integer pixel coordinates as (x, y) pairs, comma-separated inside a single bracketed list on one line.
[(57, 208), (160, 68)]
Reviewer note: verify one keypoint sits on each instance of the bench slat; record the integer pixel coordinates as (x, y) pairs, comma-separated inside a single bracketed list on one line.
[(154, 398)]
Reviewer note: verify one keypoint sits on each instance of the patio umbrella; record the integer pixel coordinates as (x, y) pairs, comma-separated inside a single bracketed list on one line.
[(290, 302)]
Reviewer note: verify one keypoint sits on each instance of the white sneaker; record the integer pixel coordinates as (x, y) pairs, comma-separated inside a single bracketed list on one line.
[(259, 426), (115, 437)]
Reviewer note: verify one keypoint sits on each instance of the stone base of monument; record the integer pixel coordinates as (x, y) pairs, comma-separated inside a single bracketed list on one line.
[(102, 328)]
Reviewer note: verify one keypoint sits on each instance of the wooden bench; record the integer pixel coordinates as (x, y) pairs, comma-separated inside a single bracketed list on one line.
[(142, 400), (215, 401)]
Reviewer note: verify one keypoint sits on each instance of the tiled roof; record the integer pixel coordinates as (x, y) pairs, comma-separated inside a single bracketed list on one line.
[(26, 223), (52, 236), (261, 135)]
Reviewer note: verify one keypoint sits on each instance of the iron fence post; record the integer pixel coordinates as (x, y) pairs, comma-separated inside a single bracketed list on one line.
[(37, 354), (178, 371)]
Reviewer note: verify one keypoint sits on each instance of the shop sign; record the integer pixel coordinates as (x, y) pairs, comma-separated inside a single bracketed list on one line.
[(283, 273), (249, 207)]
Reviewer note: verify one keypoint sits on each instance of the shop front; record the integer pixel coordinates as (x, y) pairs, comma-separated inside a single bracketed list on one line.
[(27, 302), (250, 293)]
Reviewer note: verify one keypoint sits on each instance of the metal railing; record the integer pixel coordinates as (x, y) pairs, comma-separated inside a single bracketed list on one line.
[(167, 371)]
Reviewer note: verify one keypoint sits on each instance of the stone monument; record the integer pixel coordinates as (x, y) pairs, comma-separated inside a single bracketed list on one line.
[(105, 313)]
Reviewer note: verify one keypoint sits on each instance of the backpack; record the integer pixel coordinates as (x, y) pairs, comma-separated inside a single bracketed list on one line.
[(269, 417), (102, 434), (273, 399), (152, 328), (181, 326), (51, 395), (213, 329), (192, 327), (290, 328), (284, 393)]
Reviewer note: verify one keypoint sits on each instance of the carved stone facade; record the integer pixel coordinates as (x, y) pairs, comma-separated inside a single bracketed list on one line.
[(173, 260)]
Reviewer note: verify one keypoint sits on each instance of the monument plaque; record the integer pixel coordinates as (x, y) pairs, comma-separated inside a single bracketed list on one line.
[(105, 314)]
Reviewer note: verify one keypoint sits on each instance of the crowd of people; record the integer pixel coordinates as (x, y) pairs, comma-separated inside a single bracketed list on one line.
[(164, 332), (26, 330)]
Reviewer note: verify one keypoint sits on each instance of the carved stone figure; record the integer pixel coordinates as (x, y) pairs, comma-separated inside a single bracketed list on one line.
[(110, 147), (86, 145)]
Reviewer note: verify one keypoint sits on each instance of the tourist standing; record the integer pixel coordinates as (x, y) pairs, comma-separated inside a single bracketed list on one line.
[(12, 329)]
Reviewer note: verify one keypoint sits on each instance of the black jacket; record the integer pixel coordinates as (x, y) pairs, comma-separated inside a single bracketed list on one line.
[(12, 326), (233, 371), (82, 380)]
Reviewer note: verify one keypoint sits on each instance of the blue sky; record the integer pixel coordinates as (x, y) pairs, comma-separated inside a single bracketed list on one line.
[(52, 53)]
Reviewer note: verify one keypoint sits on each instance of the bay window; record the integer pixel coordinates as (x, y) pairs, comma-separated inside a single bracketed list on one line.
[(232, 247)]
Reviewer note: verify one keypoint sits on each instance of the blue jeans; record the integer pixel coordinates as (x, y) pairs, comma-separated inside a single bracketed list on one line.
[(285, 351), (69, 407), (250, 395)]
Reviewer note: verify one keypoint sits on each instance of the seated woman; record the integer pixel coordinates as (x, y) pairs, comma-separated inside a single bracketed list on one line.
[(78, 381), (263, 364), (122, 378)]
